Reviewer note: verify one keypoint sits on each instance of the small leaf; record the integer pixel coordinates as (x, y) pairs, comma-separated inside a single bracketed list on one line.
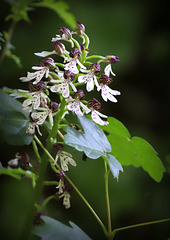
[(52, 229), (133, 151), (15, 58), (13, 121), (60, 8)]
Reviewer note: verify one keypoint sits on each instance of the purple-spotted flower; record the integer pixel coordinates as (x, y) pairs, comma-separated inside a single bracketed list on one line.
[(64, 34), (95, 106), (63, 86), (65, 157), (106, 91), (66, 199), (42, 71), (111, 60), (90, 77), (36, 95), (73, 61), (75, 104)]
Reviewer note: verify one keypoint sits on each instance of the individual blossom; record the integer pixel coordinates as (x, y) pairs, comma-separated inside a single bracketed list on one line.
[(75, 104), (61, 185), (21, 159), (42, 71), (80, 30), (64, 34), (95, 106), (65, 157), (64, 83), (111, 60), (66, 199), (106, 91), (90, 78), (36, 95), (73, 61)]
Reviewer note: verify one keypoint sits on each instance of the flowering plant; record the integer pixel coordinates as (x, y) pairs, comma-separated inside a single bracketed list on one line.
[(57, 113)]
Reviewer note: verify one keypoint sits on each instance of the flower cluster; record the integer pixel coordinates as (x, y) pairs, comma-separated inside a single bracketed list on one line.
[(65, 79)]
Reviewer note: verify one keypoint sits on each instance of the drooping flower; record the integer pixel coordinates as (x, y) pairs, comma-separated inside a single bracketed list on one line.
[(65, 157), (90, 77), (106, 91), (75, 104), (73, 61), (95, 106), (63, 87), (61, 185), (66, 199), (42, 71), (111, 60)]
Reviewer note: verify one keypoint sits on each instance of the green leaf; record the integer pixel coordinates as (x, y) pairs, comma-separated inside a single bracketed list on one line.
[(15, 58), (133, 150), (13, 121), (93, 142), (52, 229), (61, 8)]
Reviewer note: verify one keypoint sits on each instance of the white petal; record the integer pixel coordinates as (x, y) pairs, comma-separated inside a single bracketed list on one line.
[(90, 85), (108, 70), (85, 108), (81, 65), (96, 82), (97, 119), (73, 87), (81, 79)]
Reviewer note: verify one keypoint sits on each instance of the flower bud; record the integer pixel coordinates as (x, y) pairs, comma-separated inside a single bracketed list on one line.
[(95, 67), (40, 86), (48, 62), (105, 80), (53, 106), (79, 95), (59, 48), (75, 53), (94, 104), (69, 75), (24, 161), (65, 33), (80, 29), (60, 173), (57, 147), (112, 59)]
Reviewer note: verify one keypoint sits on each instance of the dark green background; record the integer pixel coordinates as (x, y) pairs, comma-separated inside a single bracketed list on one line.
[(138, 33)]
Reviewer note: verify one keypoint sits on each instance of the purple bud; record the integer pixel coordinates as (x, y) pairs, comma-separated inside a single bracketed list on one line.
[(94, 104), (24, 161), (48, 62), (40, 86), (53, 106), (61, 174), (57, 147), (65, 33), (95, 67), (69, 75), (59, 48), (79, 95), (80, 29), (75, 53), (112, 59), (105, 80)]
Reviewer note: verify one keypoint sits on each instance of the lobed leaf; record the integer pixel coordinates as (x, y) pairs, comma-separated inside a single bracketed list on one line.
[(52, 229), (133, 150)]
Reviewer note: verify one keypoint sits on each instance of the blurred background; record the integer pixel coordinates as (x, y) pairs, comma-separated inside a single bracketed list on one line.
[(138, 33)]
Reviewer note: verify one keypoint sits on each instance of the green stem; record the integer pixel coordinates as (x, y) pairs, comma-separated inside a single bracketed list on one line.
[(36, 151), (95, 57), (139, 225), (10, 33), (76, 189), (107, 197)]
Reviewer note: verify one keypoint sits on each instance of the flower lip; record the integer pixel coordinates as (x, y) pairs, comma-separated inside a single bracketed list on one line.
[(105, 80), (66, 32), (75, 53), (112, 59), (95, 67), (94, 104), (40, 86), (69, 75)]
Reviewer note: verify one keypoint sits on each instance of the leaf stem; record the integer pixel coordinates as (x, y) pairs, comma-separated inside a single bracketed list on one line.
[(8, 40), (139, 225)]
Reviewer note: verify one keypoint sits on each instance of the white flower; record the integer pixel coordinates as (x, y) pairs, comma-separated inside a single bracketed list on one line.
[(34, 101), (38, 75), (75, 104), (96, 118), (65, 158), (108, 93), (108, 70), (63, 88)]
